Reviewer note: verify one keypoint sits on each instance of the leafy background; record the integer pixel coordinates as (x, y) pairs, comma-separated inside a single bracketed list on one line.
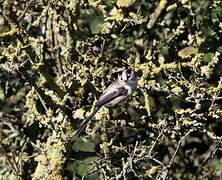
[(56, 58)]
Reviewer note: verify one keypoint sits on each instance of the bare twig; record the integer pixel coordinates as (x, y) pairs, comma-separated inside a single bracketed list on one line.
[(164, 172), (157, 139), (178, 147), (154, 16), (213, 150), (25, 10), (12, 162)]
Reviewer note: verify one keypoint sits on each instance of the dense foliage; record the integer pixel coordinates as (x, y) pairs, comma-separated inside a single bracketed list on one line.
[(57, 57)]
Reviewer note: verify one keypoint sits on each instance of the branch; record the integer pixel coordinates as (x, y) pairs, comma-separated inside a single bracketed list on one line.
[(164, 172)]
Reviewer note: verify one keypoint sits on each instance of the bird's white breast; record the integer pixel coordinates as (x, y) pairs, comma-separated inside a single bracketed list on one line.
[(129, 89)]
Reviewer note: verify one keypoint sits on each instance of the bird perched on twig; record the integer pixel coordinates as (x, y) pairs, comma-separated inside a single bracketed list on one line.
[(115, 94)]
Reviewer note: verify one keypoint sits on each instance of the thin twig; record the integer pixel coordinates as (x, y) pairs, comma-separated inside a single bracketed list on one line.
[(164, 171), (158, 137)]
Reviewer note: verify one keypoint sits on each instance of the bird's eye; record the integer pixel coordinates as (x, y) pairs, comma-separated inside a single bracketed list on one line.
[(128, 74)]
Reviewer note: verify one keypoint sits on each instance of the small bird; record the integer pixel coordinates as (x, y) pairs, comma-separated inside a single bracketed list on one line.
[(115, 94)]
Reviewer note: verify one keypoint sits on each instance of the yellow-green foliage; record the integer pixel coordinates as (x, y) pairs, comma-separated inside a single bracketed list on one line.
[(57, 57)]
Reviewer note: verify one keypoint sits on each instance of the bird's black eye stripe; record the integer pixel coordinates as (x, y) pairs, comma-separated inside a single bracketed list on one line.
[(128, 74)]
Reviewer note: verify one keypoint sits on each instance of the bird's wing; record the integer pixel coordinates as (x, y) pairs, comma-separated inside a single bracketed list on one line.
[(111, 93), (111, 86)]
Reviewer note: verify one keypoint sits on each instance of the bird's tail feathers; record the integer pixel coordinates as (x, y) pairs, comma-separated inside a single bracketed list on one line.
[(84, 124)]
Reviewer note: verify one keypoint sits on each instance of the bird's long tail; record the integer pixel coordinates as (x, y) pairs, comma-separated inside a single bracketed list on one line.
[(84, 124)]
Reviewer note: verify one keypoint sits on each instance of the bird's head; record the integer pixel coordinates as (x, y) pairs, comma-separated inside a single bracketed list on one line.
[(127, 76)]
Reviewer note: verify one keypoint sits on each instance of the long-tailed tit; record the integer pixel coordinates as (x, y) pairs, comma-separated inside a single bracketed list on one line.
[(115, 94)]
